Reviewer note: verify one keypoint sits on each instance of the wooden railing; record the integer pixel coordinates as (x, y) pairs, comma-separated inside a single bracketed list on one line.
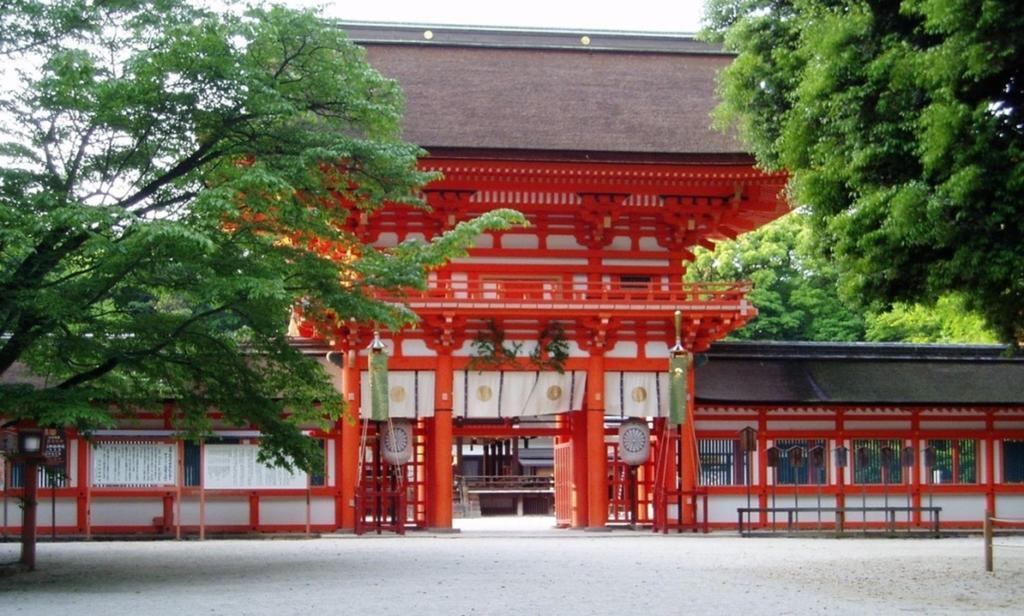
[(504, 483), (553, 291)]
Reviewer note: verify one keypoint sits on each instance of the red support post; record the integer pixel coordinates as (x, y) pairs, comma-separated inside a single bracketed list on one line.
[(580, 507), (439, 470), (597, 457), (347, 455)]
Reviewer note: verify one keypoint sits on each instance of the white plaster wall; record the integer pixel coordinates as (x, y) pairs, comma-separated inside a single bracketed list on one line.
[(952, 425), (219, 511), (650, 244), (1008, 425), (1010, 505), (386, 240), (563, 242), (860, 424), (623, 348), (73, 454), (621, 242), (722, 507), (125, 512), (332, 471), (725, 424), (414, 347), (656, 350), (575, 350), (484, 240), (897, 498), (67, 513), (801, 425), (519, 240), (958, 507), (635, 262), (293, 510)]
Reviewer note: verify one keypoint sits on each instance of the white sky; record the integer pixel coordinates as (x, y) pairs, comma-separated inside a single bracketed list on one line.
[(631, 15)]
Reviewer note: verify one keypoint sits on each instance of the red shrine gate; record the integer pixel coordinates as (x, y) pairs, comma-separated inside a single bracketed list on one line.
[(601, 264)]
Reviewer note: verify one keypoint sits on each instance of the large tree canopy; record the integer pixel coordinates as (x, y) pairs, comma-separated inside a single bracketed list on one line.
[(796, 292), (902, 126), (170, 181)]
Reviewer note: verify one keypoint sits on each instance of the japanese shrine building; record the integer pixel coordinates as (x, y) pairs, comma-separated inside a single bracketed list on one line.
[(603, 141)]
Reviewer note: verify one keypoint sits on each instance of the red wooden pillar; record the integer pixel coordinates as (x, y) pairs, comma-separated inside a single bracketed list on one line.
[(439, 473), (915, 424), (578, 428), (596, 456), (688, 438), (841, 471), (347, 453), (990, 463)]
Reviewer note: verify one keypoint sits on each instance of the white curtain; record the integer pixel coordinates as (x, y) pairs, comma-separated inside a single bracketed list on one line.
[(636, 394), (410, 393), (517, 394)]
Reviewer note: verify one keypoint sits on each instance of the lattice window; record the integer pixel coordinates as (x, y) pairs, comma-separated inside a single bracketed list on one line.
[(956, 461), (868, 456), (721, 462), (806, 473), (1013, 461)]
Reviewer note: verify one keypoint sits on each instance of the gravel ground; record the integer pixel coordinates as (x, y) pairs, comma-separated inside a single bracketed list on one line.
[(528, 570)]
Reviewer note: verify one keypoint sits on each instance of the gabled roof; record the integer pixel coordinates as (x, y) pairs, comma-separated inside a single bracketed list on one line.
[(573, 93), (789, 372)]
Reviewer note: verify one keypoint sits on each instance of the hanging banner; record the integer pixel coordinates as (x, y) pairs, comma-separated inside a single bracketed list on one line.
[(133, 464), (378, 386), (677, 394)]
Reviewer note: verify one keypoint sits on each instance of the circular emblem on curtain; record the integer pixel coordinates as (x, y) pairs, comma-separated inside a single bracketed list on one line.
[(634, 442), (639, 394), (398, 394), (554, 392), (396, 441), (484, 393)]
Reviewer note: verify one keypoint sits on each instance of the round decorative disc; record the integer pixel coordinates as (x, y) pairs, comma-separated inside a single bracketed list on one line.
[(634, 442), (398, 394), (554, 392), (639, 394), (484, 393)]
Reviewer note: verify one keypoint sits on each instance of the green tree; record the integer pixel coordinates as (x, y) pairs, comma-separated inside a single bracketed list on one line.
[(902, 126), (170, 181), (946, 321), (795, 289)]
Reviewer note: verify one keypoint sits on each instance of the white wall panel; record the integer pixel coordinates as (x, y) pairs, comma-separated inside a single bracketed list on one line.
[(125, 512)]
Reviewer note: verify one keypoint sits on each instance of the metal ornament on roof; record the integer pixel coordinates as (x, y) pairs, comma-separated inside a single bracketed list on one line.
[(397, 442), (634, 442)]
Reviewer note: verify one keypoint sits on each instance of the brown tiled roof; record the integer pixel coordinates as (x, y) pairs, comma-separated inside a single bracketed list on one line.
[(527, 90), (794, 372)]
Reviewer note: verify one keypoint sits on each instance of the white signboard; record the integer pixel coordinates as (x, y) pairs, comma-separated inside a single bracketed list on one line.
[(133, 464), (236, 466)]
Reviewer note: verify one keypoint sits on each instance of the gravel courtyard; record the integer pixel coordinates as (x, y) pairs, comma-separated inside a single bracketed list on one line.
[(525, 572)]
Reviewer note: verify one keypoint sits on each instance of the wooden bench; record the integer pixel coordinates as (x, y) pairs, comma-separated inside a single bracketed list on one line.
[(793, 515)]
